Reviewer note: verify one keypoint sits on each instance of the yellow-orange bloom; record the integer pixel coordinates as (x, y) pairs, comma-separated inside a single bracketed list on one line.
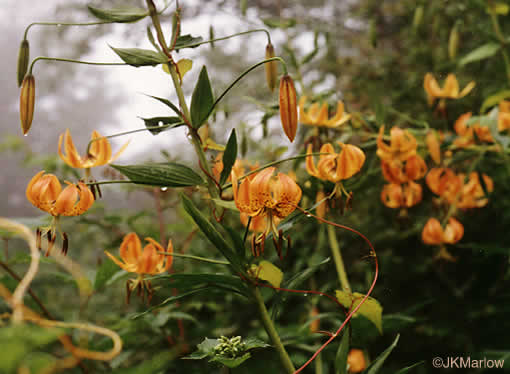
[(402, 145), (263, 194), (450, 89), (335, 167), (398, 172), (356, 362), (465, 132), (100, 152), (146, 261), (433, 142), (473, 194), (45, 192), (318, 116), (401, 196), (433, 233)]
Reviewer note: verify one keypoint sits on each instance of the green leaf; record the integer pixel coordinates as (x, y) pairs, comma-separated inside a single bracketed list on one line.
[(140, 57), (231, 362), (202, 100), (167, 174), (105, 272), (229, 157), (186, 281), (342, 352), (226, 204), (166, 123), (485, 51), (167, 103), (406, 369), (237, 241), (155, 364), (371, 309), (187, 41), (212, 234), (120, 15), (494, 99), (150, 36), (279, 22), (251, 343), (379, 361)]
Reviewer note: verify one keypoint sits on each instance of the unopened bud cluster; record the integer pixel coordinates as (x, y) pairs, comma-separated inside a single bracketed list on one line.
[(232, 347)]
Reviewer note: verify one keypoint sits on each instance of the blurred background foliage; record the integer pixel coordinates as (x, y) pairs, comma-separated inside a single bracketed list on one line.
[(371, 54)]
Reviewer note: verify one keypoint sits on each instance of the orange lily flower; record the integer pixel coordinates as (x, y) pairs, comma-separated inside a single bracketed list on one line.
[(258, 223), (100, 152), (146, 261), (397, 172), (318, 116), (45, 192), (473, 195), (465, 132), (433, 233), (335, 167), (450, 89), (401, 196), (356, 362), (402, 145)]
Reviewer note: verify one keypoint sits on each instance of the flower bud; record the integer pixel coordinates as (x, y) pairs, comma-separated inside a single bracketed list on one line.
[(288, 107), (23, 57), (417, 18), (356, 361), (453, 42), (26, 103), (271, 68)]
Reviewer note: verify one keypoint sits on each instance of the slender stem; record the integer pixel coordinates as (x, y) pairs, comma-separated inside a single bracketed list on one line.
[(62, 24), (337, 256), (228, 37), (272, 333), (198, 258), (108, 182), (71, 60)]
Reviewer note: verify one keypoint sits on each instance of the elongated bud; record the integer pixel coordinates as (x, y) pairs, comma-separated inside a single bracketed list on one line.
[(453, 42), (288, 107), (417, 18), (23, 57), (271, 68), (26, 103)]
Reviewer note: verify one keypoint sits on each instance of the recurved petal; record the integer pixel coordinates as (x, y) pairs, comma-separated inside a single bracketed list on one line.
[(86, 200), (432, 232), (350, 161), (451, 87), (289, 195), (100, 150), (148, 261), (260, 189), (469, 87), (120, 263), (433, 146), (393, 171), (431, 88), (121, 150), (66, 201), (391, 195), (29, 191), (131, 248), (453, 232), (310, 164), (412, 194), (384, 151), (322, 118), (72, 158), (416, 168)]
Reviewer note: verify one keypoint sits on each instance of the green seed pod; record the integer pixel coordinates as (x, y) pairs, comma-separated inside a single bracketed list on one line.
[(453, 42), (418, 17), (26, 103), (23, 57), (271, 68)]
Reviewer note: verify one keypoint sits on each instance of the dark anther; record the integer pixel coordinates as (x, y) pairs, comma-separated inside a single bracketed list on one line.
[(51, 240), (98, 190), (93, 190), (128, 291), (65, 243), (38, 238), (348, 204), (253, 244), (262, 244)]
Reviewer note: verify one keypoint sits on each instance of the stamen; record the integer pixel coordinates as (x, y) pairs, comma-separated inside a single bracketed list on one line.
[(65, 243), (51, 240), (38, 238)]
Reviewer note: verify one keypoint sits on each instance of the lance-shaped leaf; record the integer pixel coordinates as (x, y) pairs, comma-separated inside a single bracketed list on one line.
[(187, 41), (120, 15), (485, 51), (164, 123), (140, 57), (370, 309), (379, 361), (229, 157), (168, 103), (342, 352), (202, 100), (212, 234), (167, 174)]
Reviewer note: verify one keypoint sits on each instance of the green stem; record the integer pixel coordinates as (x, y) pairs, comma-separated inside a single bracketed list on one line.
[(198, 258), (71, 60), (25, 35), (272, 333), (228, 37), (337, 256), (120, 181)]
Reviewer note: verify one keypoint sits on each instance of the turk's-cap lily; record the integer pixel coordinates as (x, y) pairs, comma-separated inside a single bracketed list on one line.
[(401, 196), (467, 133), (399, 172), (99, 153), (333, 166), (146, 261), (318, 115), (433, 233), (450, 89), (45, 192), (402, 145)]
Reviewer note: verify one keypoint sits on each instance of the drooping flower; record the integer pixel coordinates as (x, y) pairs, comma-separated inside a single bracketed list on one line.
[(335, 167), (467, 133), (402, 145), (401, 195), (399, 172), (99, 153), (318, 116), (45, 192), (450, 89), (146, 261), (433, 233), (356, 361)]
